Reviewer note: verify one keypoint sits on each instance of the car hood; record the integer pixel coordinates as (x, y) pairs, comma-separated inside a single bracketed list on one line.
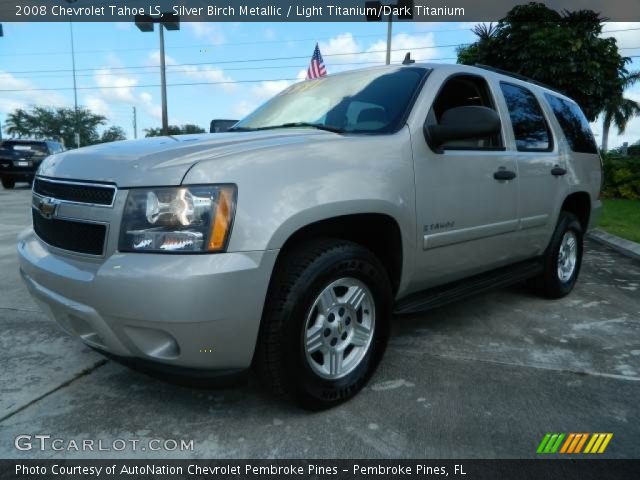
[(166, 160)]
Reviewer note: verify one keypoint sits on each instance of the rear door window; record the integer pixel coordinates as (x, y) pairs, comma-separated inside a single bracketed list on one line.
[(529, 125), (574, 124)]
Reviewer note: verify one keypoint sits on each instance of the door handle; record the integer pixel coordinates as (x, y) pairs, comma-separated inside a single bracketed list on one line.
[(504, 174), (558, 171)]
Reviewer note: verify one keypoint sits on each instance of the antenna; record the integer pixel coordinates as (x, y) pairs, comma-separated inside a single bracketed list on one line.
[(407, 59)]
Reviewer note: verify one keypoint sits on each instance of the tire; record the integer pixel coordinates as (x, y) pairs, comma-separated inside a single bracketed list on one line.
[(312, 349), (555, 282), (8, 183)]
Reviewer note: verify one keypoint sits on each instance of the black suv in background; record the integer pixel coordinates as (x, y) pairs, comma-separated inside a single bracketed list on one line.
[(19, 159)]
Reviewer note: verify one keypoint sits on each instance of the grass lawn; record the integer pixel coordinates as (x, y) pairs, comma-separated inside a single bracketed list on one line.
[(622, 218)]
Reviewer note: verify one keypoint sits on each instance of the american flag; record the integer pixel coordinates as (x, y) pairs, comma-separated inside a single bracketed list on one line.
[(316, 67)]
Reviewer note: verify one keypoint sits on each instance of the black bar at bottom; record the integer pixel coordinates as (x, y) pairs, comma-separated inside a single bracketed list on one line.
[(566, 469)]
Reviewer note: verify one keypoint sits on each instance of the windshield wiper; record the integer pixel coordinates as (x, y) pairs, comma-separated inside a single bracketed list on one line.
[(318, 126), (240, 129)]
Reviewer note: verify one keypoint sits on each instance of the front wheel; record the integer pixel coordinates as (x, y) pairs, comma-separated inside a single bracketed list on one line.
[(325, 324), (562, 259)]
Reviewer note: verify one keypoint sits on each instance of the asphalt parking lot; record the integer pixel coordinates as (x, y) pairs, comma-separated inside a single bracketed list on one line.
[(485, 378)]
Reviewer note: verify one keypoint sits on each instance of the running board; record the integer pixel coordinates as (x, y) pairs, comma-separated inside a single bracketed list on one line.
[(438, 296)]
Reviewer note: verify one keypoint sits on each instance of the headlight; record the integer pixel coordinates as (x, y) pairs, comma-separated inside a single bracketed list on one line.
[(180, 219)]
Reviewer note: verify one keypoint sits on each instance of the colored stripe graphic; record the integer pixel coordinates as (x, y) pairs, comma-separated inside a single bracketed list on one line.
[(598, 443), (582, 442), (543, 443), (550, 443), (567, 443), (605, 443), (574, 442)]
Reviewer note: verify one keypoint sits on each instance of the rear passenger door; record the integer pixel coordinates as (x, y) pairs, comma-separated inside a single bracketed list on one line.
[(540, 168)]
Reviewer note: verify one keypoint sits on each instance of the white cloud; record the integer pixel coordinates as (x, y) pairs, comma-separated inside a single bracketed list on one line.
[(243, 108), (115, 86), (118, 87), (207, 32), (266, 90), (404, 43), (98, 105), (625, 39), (194, 72), (344, 48), (153, 109), (24, 96)]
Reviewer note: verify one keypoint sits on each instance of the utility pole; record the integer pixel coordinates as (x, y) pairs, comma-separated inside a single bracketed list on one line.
[(75, 86), (374, 14), (135, 123)]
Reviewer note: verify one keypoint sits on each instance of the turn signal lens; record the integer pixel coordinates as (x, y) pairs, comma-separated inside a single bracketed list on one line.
[(222, 219)]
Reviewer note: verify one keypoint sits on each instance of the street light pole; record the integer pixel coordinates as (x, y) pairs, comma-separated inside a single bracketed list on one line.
[(389, 23), (170, 21), (75, 86), (163, 82)]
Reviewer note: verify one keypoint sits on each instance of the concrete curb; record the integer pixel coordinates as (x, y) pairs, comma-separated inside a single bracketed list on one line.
[(626, 247)]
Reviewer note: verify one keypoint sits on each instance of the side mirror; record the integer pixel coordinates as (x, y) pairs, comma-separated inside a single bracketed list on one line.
[(218, 125), (463, 123)]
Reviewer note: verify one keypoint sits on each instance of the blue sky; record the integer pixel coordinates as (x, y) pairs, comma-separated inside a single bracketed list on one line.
[(118, 64)]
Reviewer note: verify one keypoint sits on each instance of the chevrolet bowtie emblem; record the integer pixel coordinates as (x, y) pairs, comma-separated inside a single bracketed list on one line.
[(47, 207)]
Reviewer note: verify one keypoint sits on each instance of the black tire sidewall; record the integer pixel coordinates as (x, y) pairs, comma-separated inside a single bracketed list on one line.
[(8, 183), (355, 262)]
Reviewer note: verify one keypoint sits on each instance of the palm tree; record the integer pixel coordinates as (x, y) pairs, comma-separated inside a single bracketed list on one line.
[(619, 110)]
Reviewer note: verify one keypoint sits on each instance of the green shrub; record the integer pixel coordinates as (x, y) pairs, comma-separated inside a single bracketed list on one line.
[(621, 177)]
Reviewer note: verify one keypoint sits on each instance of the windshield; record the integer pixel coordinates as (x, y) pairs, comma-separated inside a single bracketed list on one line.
[(369, 101)]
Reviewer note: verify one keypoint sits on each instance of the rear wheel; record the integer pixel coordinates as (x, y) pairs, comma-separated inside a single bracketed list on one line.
[(563, 258), (325, 324), (8, 183)]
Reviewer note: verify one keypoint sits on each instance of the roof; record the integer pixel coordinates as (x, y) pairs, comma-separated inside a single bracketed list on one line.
[(477, 70)]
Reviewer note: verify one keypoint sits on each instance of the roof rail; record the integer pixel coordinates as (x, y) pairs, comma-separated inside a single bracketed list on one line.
[(518, 76)]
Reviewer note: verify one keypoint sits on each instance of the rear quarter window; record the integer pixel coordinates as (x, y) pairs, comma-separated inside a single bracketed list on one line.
[(574, 124)]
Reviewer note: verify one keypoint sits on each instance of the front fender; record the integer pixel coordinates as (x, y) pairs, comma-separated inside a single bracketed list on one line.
[(283, 188)]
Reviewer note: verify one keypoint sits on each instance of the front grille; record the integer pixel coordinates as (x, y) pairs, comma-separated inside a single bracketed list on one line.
[(74, 236), (71, 192)]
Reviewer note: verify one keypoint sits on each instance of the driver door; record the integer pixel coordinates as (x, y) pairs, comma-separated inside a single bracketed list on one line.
[(466, 217)]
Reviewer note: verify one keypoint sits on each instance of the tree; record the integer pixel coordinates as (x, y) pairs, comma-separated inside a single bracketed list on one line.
[(563, 50), (619, 110), (174, 130), (55, 123), (113, 134)]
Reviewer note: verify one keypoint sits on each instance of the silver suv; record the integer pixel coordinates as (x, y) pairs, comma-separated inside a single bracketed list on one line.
[(287, 243)]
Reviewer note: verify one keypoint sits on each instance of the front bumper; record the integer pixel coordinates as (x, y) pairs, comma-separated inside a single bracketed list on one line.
[(15, 174), (191, 311)]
